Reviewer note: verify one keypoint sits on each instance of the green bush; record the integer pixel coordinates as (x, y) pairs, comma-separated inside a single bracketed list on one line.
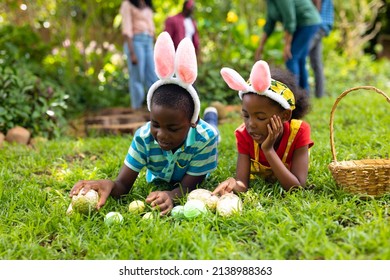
[(28, 101), (22, 44)]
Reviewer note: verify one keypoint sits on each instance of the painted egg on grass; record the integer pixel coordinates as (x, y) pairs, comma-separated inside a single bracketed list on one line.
[(113, 218), (136, 206), (206, 196), (84, 203), (194, 208), (148, 216), (228, 204), (178, 212)]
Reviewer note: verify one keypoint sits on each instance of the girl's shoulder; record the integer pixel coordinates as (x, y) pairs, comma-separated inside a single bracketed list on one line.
[(299, 130), (298, 123)]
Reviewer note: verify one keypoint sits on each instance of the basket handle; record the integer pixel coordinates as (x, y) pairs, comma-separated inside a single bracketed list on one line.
[(334, 108)]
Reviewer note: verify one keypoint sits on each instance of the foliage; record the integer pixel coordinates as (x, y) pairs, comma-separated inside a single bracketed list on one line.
[(29, 97), (26, 100), (358, 24), (22, 44)]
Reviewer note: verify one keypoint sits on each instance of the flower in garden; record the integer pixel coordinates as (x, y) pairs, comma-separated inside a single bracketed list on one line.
[(109, 68), (255, 39), (261, 22), (231, 17)]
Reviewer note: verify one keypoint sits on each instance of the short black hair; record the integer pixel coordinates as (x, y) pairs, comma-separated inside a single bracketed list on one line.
[(174, 97)]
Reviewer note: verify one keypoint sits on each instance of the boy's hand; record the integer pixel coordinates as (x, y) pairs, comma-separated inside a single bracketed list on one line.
[(160, 200), (103, 187), (226, 186), (275, 128)]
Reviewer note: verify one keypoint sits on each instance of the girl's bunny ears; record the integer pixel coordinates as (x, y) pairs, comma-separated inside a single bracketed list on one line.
[(183, 63), (260, 82)]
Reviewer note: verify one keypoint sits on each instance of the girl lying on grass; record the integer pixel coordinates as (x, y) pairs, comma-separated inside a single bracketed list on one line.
[(272, 142)]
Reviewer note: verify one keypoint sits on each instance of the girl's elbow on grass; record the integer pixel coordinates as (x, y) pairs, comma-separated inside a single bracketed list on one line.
[(298, 183)]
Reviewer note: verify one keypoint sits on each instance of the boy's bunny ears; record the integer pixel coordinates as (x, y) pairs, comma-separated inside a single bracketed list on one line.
[(183, 64), (260, 82)]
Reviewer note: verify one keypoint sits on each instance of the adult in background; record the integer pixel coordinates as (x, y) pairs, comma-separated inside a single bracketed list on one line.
[(300, 20), (138, 30), (325, 7), (184, 25)]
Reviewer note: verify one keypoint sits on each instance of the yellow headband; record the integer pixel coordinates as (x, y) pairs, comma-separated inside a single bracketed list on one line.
[(282, 90)]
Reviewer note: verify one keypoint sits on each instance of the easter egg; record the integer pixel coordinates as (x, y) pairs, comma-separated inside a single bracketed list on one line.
[(206, 196), (136, 206), (113, 218), (194, 208), (84, 203), (178, 212), (229, 204)]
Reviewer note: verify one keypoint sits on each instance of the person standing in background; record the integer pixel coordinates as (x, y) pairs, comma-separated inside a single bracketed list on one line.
[(184, 25), (300, 20), (326, 9), (138, 30)]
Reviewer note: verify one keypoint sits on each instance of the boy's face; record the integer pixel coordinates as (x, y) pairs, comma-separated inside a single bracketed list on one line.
[(257, 111), (169, 127)]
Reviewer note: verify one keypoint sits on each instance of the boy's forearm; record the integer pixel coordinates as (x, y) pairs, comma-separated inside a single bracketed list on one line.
[(119, 189)]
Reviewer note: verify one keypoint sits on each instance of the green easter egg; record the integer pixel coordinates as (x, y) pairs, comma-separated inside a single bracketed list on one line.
[(178, 212), (194, 208), (113, 218)]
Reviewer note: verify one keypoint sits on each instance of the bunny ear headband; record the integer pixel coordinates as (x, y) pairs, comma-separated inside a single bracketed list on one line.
[(261, 83), (182, 63)]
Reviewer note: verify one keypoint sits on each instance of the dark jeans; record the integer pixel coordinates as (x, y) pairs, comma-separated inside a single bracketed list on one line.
[(300, 50), (315, 55)]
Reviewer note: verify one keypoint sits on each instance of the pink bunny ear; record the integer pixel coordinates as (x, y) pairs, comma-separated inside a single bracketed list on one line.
[(185, 63), (164, 56), (233, 79), (260, 76)]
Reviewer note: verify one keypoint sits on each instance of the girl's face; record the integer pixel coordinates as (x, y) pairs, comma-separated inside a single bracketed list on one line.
[(169, 127), (257, 111)]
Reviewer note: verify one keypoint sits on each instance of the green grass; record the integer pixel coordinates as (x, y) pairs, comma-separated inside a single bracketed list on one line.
[(322, 222)]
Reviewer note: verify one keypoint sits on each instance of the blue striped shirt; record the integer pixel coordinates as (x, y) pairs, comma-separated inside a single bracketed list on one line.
[(197, 156)]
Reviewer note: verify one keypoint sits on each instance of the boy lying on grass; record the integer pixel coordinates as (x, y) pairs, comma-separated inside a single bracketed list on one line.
[(175, 145)]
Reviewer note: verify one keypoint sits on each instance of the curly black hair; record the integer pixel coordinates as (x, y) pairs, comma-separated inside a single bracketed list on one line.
[(302, 104)]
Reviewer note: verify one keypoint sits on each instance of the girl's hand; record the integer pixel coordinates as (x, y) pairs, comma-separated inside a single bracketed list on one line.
[(160, 200), (103, 187), (226, 186), (275, 129)]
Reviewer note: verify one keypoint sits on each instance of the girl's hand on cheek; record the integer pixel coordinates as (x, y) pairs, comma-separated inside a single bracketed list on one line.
[(275, 129)]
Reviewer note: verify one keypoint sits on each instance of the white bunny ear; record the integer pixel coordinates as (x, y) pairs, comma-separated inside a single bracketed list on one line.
[(183, 63), (164, 56), (186, 67), (233, 79), (260, 76)]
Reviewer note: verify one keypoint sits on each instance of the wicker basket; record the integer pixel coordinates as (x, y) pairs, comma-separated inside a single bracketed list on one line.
[(366, 177)]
